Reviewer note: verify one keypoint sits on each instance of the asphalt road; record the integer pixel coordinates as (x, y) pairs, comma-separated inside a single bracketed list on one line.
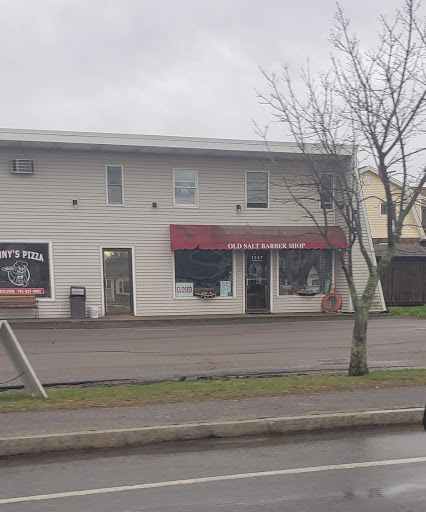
[(346, 472), (175, 351)]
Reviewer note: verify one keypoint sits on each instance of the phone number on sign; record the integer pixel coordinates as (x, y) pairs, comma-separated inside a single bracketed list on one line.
[(22, 291)]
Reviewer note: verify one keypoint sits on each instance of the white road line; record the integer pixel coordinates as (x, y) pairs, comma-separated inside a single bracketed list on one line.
[(220, 478), (159, 329)]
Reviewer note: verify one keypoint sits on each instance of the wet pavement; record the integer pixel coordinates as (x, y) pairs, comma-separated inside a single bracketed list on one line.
[(171, 351), (366, 470)]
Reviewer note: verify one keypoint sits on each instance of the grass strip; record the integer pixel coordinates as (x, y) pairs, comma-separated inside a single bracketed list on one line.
[(204, 390), (408, 311)]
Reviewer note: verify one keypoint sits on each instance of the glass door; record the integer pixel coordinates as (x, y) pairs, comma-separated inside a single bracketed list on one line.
[(257, 281), (118, 288)]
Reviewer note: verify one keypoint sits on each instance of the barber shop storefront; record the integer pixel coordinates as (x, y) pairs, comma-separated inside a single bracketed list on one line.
[(216, 269), (278, 265), (157, 226)]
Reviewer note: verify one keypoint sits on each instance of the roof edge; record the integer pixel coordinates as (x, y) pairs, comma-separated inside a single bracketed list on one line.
[(154, 141)]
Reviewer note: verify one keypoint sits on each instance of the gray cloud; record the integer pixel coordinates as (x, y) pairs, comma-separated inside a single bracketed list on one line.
[(183, 67)]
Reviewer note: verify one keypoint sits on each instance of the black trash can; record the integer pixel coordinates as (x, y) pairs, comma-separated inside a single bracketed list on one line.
[(78, 301)]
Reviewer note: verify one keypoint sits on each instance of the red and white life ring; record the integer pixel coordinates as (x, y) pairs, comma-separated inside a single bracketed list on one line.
[(331, 303)]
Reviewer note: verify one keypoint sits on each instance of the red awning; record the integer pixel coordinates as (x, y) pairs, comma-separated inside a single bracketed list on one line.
[(254, 237)]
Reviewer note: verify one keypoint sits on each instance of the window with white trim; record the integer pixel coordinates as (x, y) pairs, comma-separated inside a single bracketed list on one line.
[(326, 190), (185, 183), (305, 269), (257, 188), (114, 177), (203, 272), (384, 208)]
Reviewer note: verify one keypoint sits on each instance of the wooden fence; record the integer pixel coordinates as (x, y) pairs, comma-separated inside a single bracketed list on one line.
[(405, 282)]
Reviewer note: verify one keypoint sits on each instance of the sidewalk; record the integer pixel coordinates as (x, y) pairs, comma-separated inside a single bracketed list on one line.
[(120, 426), (22, 423), (133, 321)]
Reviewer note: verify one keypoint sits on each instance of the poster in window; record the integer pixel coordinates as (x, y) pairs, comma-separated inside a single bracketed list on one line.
[(226, 288), (25, 269)]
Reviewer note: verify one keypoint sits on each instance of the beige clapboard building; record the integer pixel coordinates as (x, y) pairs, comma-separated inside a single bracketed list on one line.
[(154, 226), (405, 282)]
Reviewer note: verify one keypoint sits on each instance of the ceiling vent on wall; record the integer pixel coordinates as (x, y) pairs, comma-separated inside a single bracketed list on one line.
[(22, 166)]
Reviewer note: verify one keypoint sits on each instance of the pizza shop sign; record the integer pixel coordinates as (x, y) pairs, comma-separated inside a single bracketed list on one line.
[(25, 269), (29, 255)]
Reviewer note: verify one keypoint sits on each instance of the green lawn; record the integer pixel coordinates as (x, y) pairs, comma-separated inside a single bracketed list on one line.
[(201, 390), (410, 311)]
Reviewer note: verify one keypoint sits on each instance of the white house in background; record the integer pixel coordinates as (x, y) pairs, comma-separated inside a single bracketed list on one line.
[(155, 225)]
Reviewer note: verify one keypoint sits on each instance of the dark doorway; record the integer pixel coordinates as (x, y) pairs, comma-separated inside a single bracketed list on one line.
[(257, 281), (118, 287)]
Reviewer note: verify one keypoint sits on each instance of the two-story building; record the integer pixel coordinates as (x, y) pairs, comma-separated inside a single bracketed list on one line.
[(155, 225), (405, 280)]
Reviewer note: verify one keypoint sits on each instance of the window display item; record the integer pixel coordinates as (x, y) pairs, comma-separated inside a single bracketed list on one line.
[(313, 280)]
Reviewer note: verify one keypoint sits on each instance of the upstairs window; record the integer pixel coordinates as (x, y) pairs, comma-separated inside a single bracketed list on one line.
[(257, 186), (326, 187), (384, 208), (424, 216), (185, 183), (114, 176)]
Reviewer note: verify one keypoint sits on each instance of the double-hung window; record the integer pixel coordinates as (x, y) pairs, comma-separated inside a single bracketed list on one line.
[(384, 208), (114, 177), (185, 183), (326, 186), (257, 188)]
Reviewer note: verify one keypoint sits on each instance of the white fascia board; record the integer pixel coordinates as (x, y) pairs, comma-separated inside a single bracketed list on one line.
[(51, 138), (368, 168), (369, 240)]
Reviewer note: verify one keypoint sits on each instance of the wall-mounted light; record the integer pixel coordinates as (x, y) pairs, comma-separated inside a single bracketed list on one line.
[(154, 205), (238, 207), (75, 203)]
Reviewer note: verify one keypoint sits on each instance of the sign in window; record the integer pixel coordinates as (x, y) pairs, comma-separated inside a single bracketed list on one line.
[(25, 269)]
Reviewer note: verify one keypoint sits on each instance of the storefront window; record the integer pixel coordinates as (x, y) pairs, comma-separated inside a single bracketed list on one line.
[(309, 269), (199, 272)]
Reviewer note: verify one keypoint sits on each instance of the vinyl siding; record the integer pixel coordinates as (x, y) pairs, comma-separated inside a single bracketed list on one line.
[(360, 268), (39, 208), (373, 194)]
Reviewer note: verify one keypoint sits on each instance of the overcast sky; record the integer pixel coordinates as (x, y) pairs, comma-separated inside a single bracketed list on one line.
[(168, 67)]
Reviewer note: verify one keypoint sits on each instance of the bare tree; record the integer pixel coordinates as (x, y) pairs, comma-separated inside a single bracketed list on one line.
[(369, 104)]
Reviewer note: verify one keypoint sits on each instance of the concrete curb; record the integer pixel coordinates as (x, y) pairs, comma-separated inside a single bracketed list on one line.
[(118, 438)]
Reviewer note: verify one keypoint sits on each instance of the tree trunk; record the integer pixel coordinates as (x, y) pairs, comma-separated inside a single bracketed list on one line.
[(358, 361)]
